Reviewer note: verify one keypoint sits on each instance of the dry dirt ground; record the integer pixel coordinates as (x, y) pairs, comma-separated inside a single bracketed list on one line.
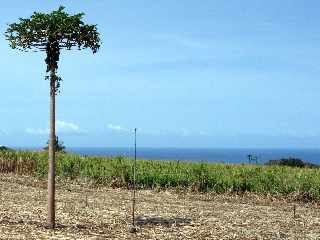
[(84, 212)]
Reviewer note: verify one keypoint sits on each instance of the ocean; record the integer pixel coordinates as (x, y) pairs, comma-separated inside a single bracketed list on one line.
[(225, 155)]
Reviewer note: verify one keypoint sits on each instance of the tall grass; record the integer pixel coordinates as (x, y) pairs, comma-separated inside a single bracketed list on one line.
[(196, 176)]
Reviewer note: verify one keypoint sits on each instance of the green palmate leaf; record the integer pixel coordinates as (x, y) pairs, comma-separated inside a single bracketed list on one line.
[(51, 32), (68, 30)]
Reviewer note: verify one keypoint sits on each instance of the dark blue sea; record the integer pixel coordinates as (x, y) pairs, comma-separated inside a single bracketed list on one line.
[(223, 155), (204, 154)]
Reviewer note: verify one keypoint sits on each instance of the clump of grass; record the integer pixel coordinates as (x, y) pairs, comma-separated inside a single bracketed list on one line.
[(196, 176)]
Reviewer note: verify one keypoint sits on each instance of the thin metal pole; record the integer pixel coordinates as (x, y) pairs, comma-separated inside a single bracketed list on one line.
[(134, 177)]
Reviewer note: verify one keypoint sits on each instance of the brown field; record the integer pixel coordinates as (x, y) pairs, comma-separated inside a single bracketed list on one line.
[(85, 212)]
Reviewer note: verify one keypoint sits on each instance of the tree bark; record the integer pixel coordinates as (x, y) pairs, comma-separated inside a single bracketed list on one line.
[(52, 139)]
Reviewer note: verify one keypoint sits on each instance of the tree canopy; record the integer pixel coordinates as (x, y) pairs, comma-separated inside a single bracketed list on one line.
[(51, 32), (58, 26)]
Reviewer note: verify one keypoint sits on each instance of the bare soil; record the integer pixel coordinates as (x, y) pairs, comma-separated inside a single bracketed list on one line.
[(87, 212)]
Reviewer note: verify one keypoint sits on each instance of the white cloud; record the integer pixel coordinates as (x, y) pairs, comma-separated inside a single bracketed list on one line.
[(61, 127), (66, 126), (117, 128)]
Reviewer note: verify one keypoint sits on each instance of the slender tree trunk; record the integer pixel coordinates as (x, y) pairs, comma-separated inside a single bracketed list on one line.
[(52, 139)]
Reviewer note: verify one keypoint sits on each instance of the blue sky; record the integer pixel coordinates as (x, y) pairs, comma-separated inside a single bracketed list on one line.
[(186, 73)]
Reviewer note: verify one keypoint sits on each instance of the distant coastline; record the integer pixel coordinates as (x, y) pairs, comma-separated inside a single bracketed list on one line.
[(226, 155)]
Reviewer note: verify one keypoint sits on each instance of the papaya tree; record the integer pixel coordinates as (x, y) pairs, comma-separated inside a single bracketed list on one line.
[(51, 33)]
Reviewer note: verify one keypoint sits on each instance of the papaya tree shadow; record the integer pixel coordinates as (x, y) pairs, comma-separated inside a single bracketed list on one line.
[(167, 222)]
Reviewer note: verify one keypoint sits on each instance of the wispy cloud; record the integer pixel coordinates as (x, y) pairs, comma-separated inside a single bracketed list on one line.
[(62, 127), (118, 128), (183, 132), (178, 132)]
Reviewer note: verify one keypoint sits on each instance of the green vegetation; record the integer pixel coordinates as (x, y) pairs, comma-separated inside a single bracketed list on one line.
[(58, 146), (4, 148), (292, 162), (196, 176)]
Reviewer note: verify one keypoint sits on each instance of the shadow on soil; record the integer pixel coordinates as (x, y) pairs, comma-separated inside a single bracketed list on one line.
[(7, 221), (76, 227), (144, 220)]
